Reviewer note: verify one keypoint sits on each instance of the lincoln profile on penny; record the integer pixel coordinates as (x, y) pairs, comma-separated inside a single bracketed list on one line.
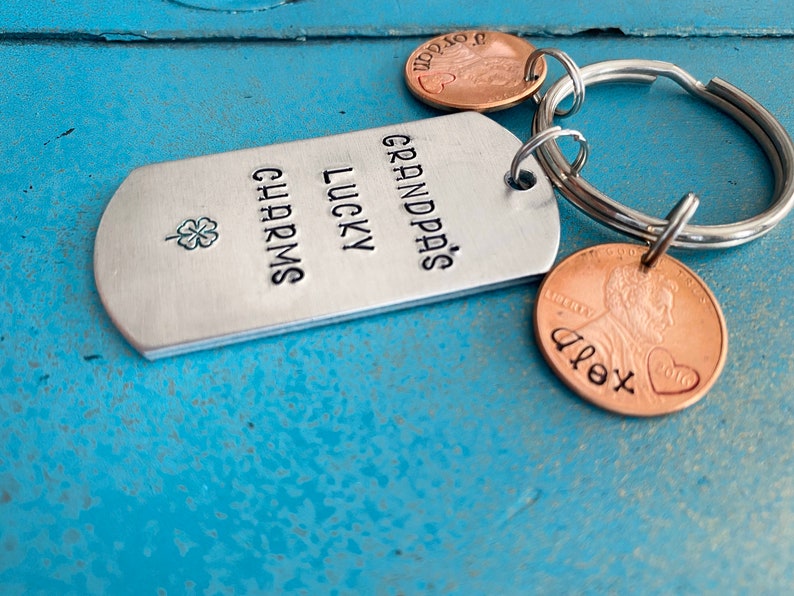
[(621, 350)]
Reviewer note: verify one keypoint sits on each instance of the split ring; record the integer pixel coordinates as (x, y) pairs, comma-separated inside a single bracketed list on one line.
[(572, 70), (759, 123), (536, 141), (676, 219)]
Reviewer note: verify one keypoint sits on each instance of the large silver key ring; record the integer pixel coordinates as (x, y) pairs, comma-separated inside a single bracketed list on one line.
[(751, 115)]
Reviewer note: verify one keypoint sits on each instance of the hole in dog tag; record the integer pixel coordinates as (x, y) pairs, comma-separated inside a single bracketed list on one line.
[(211, 250)]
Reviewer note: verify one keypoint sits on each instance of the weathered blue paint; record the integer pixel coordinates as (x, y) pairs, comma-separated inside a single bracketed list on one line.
[(429, 450), (125, 20)]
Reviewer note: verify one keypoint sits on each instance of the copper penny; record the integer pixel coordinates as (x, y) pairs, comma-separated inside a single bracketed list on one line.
[(631, 339), (472, 70)]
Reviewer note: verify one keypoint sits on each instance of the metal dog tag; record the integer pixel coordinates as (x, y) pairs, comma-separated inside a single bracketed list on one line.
[(207, 251)]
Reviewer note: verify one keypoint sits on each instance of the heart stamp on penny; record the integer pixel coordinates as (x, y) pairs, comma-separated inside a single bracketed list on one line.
[(434, 82), (667, 376)]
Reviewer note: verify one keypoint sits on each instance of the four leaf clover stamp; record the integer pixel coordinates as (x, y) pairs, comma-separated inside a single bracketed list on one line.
[(195, 233)]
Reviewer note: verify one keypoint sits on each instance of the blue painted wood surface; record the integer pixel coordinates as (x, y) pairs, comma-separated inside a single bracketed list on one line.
[(138, 20), (425, 451)]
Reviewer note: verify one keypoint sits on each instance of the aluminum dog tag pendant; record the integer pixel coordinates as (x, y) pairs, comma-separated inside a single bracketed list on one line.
[(202, 252)]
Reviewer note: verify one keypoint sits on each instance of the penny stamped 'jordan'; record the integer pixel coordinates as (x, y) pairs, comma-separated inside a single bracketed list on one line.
[(473, 70), (632, 339)]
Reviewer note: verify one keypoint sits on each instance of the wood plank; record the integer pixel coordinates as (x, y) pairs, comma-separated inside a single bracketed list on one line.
[(419, 451), (140, 20)]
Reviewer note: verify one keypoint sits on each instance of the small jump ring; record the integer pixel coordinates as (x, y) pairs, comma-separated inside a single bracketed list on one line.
[(539, 139), (676, 220), (756, 120), (573, 72)]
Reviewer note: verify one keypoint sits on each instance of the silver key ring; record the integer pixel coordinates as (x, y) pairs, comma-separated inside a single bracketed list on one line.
[(751, 115)]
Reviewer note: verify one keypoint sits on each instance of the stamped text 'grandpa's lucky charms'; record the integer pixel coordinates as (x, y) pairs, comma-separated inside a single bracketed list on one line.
[(281, 216)]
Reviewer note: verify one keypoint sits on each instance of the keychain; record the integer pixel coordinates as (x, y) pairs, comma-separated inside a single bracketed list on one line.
[(629, 329), (250, 243)]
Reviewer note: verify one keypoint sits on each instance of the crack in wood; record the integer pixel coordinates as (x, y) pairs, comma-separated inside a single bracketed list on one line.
[(233, 6)]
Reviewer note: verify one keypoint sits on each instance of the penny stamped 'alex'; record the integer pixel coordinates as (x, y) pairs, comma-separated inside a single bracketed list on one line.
[(634, 340)]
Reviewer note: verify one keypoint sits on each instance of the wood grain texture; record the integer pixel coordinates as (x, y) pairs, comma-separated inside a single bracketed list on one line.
[(424, 451), (141, 20)]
